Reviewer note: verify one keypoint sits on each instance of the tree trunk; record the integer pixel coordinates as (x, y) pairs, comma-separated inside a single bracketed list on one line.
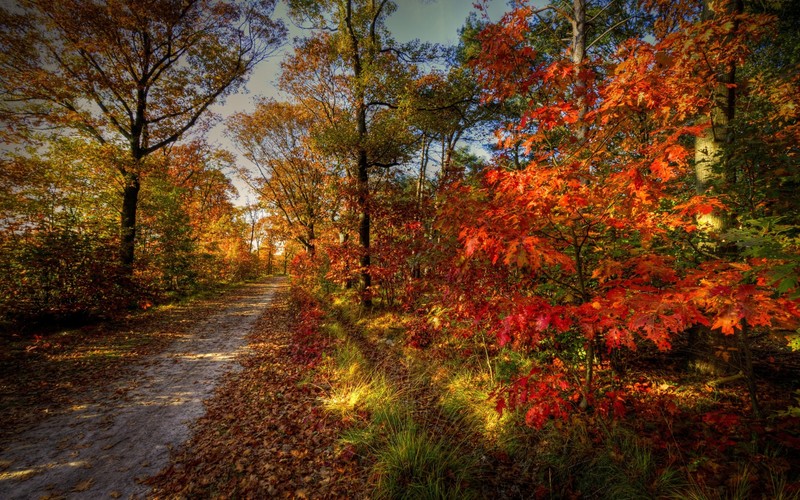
[(423, 168), (130, 200), (712, 166), (578, 56), (362, 165), (364, 227), (311, 236), (252, 235), (416, 270), (710, 162), (708, 170), (746, 364)]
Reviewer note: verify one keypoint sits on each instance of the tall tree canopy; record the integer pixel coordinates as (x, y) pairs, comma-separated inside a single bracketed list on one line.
[(137, 73), (354, 75)]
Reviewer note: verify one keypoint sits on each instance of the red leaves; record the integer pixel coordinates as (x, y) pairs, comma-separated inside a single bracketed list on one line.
[(722, 291), (545, 394), (529, 319), (575, 238), (506, 69)]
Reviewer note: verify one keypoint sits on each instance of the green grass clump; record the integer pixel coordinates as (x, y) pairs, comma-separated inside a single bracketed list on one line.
[(411, 464), (406, 461)]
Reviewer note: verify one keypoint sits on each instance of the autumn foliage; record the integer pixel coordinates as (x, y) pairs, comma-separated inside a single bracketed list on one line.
[(594, 241), (631, 216)]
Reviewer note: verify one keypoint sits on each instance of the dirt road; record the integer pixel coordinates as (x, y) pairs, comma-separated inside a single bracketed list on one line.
[(103, 448)]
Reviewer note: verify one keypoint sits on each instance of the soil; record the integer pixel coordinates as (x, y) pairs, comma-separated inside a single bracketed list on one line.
[(111, 441)]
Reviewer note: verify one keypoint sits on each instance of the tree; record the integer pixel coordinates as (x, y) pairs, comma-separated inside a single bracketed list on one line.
[(584, 246), (293, 178), (136, 73), (57, 232), (187, 217), (354, 75)]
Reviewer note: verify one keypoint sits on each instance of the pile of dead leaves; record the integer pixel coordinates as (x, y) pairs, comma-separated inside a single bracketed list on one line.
[(265, 434)]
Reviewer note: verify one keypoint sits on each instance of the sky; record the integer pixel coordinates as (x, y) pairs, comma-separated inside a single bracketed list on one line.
[(436, 21)]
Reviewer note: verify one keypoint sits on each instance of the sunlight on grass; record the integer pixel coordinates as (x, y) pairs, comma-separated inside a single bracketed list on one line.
[(465, 399), (333, 329), (345, 399), (385, 327), (409, 461)]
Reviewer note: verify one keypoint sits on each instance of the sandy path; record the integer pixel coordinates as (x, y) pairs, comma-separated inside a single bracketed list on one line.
[(102, 449)]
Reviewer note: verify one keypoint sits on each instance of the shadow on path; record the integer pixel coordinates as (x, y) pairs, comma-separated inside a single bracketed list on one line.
[(105, 447)]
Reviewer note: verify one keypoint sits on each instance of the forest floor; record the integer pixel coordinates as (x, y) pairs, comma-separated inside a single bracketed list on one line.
[(93, 412), (262, 393)]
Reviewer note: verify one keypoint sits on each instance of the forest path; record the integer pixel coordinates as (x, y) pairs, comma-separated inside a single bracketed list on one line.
[(102, 448)]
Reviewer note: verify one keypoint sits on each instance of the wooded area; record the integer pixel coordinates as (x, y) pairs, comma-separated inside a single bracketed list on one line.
[(575, 234)]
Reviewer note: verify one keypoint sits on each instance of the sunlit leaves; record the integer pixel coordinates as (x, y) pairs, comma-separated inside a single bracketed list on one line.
[(294, 178), (592, 236)]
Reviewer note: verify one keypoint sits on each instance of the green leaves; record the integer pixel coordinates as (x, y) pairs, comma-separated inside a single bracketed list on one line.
[(776, 241)]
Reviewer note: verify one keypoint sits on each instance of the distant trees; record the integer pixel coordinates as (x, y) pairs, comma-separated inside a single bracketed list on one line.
[(293, 178), (59, 229)]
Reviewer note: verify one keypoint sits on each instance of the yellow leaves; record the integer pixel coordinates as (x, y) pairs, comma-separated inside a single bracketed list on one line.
[(788, 110)]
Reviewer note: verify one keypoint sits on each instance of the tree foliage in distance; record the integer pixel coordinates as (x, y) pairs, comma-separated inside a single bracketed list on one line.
[(293, 178), (59, 230)]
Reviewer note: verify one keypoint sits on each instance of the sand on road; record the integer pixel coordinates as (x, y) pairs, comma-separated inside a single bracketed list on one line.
[(105, 447)]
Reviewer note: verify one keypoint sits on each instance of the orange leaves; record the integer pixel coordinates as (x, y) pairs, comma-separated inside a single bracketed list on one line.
[(724, 292), (698, 205), (505, 64), (572, 234)]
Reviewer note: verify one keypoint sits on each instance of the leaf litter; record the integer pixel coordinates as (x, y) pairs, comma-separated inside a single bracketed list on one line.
[(106, 441), (265, 433)]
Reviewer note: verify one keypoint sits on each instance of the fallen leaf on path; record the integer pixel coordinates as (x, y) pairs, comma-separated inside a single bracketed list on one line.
[(83, 485)]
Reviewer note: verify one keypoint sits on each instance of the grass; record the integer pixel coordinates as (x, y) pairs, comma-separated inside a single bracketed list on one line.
[(618, 465), (412, 464), (465, 398), (404, 459), (434, 432)]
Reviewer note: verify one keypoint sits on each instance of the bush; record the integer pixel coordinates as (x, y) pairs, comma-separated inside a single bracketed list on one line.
[(59, 275)]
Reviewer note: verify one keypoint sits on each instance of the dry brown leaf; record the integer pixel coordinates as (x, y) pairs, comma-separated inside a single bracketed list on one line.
[(83, 485)]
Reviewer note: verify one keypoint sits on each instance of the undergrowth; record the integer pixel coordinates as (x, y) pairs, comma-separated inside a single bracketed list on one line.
[(424, 424)]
